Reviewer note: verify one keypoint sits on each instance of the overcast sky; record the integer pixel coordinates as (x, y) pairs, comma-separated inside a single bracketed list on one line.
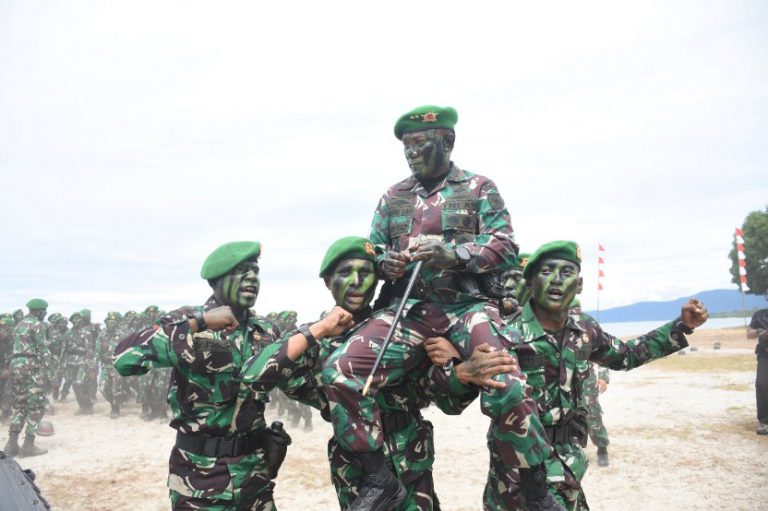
[(135, 137)]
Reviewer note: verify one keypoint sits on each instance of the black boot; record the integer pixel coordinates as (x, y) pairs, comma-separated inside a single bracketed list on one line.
[(380, 490), (114, 413), (602, 457), (12, 447), (29, 448), (533, 487)]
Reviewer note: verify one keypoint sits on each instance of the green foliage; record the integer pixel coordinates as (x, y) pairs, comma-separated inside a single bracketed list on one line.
[(755, 230)]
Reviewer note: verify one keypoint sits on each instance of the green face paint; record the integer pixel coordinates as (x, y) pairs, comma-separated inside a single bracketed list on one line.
[(513, 282), (427, 154), (555, 285), (353, 283), (240, 287)]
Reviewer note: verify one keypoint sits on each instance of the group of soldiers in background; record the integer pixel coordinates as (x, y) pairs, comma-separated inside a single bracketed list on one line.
[(79, 359)]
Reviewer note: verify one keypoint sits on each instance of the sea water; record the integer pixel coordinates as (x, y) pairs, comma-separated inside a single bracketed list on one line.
[(624, 328)]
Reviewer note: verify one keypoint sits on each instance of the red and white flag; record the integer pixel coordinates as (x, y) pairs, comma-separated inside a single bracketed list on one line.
[(741, 258), (600, 262)]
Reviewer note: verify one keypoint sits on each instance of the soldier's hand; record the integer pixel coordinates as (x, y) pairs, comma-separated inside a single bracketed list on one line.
[(220, 318), (334, 323), (393, 265), (434, 253), (440, 350), (485, 363), (602, 386), (693, 313)]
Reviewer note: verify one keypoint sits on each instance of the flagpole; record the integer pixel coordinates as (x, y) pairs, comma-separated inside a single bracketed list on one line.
[(741, 259)]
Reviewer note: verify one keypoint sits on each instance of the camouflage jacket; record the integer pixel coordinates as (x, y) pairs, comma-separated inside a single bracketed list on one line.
[(106, 344), (418, 391), (466, 209), (6, 348), (78, 348), (30, 346), (557, 369), (206, 394)]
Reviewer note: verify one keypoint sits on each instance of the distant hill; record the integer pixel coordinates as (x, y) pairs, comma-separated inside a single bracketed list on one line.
[(717, 301)]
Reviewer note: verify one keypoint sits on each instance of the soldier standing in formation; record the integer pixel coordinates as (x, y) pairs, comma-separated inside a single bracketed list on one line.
[(79, 364), (30, 376), (6, 348), (110, 384)]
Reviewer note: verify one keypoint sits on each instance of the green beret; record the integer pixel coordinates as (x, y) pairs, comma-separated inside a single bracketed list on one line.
[(37, 303), (286, 315), (351, 246), (227, 256), (520, 262), (6, 319), (53, 317), (152, 308), (86, 313), (113, 315), (561, 249), (76, 315), (425, 118), (130, 314)]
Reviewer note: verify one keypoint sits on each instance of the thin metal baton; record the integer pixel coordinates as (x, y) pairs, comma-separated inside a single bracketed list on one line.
[(395, 321)]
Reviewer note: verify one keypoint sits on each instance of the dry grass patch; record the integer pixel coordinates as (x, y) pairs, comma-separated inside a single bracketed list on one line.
[(714, 363)]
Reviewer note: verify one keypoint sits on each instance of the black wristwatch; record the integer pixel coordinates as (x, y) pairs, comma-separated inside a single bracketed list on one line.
[(304, 330), (463, 255), (200, 320)]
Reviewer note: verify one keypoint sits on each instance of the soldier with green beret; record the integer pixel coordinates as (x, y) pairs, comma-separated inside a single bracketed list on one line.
[(110, 383), (30, 376), (56, 332), (7, 325), (348, 271), (79, 363), (555, 354), (456, 222), (220, 457), (152, 388)]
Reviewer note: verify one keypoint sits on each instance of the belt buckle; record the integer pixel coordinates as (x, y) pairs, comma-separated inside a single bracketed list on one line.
[(210, 447)]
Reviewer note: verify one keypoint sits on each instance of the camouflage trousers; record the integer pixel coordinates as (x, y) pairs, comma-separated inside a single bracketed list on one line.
[(597, 432), (81, 378), (409, 454), (153, 389), (28, 393), (232, 483), (565, 470), (516, 433), (112, 385)]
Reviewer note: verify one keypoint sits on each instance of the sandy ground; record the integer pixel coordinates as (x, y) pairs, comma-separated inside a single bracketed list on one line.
[(682, 437)]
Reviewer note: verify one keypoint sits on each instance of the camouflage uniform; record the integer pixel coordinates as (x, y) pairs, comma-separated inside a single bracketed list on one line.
[(29, 375), (6, 348), (467, 210), (79, 365), (408, 438), (557, 370), (597, 432), (110, 384), (56, 333), (207, 400)]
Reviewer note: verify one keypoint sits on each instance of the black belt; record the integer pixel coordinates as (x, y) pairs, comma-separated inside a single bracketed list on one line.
[(396, 421), (218, 446), (76, 352), (26, 355)]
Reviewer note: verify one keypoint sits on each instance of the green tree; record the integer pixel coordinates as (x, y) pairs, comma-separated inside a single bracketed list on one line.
[(755, 229)]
